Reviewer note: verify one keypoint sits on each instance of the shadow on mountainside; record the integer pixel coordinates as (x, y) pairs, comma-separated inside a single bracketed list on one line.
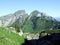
[(53, 39)]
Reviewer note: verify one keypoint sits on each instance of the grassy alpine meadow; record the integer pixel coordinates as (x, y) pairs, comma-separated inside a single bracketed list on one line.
[(9, 38)]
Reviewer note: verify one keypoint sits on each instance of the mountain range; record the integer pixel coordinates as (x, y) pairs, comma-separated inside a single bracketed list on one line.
[(34, 22)]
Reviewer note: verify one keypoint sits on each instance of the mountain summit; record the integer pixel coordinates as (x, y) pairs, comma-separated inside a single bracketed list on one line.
[(11, 18), (36, 21)]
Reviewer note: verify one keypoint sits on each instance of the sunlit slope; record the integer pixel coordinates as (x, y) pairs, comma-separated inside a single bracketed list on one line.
[(9, 38)]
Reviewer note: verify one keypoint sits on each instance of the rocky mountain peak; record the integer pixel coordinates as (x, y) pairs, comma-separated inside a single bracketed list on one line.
[(36, 21), (20, 12)]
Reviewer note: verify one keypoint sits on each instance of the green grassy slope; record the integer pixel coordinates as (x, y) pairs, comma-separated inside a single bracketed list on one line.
[(9, 38)]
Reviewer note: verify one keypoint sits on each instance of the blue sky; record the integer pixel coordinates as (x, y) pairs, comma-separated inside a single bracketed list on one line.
[(50, 7)]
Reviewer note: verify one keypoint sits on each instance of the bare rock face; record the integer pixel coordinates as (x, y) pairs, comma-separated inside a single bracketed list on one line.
[(32, 36), (0, 23), (11, 18), (20, 12)]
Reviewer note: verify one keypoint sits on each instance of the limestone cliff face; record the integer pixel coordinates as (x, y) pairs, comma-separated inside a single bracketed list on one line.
[(11, 18)]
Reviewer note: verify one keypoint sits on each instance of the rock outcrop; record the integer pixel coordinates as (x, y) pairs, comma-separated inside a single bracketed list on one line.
[(53, 39)]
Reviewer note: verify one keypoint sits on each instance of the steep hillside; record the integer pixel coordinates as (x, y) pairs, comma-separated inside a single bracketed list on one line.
[(9, 38)]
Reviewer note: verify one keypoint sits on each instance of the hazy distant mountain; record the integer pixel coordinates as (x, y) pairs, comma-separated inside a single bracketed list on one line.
[(58, 19), (36, 21)]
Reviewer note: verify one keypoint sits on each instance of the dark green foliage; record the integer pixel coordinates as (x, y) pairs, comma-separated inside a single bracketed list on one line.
[(28, 26), (58, 25), (52, 31), (40, 25), (48, 32)]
